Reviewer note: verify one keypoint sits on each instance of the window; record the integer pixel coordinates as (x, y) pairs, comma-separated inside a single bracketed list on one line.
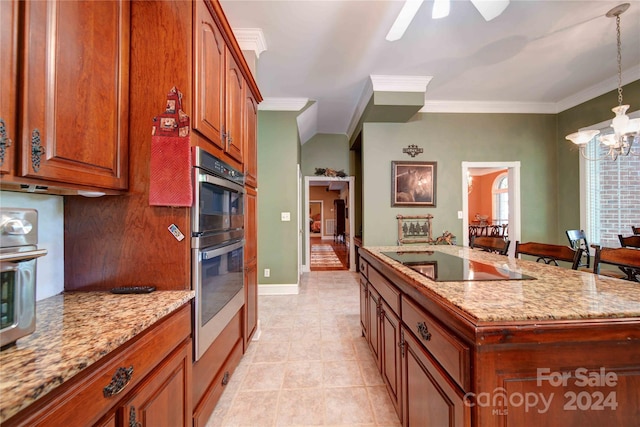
[(501, 199), (610, 197)]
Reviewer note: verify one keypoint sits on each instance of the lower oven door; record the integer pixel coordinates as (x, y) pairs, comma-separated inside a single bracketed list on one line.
[(218, 274)]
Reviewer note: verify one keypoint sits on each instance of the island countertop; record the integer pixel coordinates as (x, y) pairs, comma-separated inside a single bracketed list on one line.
[(557, 293), (73, 331)]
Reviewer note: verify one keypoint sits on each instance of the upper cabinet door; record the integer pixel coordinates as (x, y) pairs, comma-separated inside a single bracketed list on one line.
[(251, 146), (75, 107), (8, 83), (209, 77), (235, 83)]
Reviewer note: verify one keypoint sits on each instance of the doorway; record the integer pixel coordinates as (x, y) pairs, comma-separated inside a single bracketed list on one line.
[(335, 188), (476, 169)]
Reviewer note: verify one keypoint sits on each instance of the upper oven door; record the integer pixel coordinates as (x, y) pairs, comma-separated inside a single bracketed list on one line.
[(218, 210)]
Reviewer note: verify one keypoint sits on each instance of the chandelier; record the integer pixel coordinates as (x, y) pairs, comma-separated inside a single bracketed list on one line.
[(626, 131)]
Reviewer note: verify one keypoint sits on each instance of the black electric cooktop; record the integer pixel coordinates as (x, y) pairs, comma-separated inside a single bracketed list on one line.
[(442, 267)]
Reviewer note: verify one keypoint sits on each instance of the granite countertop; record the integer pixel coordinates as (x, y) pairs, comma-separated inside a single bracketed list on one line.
[(73, 331), (557, 293)]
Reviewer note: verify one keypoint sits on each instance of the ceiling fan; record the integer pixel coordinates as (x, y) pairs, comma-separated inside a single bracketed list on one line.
[(489, 9)]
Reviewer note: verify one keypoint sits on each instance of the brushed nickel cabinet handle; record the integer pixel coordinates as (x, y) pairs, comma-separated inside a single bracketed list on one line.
[(118, 382), (424, 331)]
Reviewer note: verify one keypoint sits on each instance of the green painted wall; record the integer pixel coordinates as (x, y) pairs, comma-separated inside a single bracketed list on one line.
[(586, 114), (450, 139), (278, 157), (549, 171), (325, 151)]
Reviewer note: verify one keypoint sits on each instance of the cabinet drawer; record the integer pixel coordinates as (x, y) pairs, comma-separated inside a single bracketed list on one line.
[(83, 402), (386, 290), (452, 354)]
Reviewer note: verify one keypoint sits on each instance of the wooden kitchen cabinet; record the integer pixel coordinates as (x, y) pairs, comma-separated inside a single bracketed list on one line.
[(364, 309), (391, 357), (74, 93), (251, 266), (429, 397), (251, 139), (373, 319), (219, 89), (209, 77), (157, 365), (164, 398), (382, 320), (8, 83)]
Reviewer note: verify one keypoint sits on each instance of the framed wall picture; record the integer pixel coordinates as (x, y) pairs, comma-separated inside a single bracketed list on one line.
[(413, 183)]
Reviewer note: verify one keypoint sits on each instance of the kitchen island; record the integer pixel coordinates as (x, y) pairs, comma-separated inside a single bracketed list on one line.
[(58, 375), (559, 347)]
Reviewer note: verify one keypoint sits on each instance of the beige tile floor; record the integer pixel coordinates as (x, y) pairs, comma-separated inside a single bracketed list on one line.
[(311, 365)]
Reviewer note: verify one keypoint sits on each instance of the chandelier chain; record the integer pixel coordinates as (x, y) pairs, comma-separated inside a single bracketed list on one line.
[(619, 46)]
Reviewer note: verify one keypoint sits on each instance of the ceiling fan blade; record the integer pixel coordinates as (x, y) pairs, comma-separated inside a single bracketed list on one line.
[(490, 9), (403, 20)]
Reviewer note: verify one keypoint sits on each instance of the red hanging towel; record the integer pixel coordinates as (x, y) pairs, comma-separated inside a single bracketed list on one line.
[(170, 166)]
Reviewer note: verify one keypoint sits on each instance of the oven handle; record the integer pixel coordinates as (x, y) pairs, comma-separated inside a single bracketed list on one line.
[(220, 250), (22, 256), (210, 179)]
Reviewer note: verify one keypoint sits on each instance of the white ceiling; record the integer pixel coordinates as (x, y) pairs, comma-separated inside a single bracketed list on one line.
[(539, 56)]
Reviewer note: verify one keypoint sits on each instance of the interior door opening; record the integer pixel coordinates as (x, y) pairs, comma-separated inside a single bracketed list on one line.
[(328, 229), (491, 199)]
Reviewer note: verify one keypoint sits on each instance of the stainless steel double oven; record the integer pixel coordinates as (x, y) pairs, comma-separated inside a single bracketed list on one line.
[(217, 243)]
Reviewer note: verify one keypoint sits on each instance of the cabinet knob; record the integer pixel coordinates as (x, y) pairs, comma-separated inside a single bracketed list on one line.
[(5, 142), (118, 382), (225, 378), (424, 331)]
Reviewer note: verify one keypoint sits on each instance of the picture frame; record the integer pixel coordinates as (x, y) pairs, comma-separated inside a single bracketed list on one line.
[(413, 183)]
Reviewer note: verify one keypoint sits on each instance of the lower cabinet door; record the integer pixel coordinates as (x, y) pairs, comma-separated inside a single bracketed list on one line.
[(429, 397), (163, 399), (373, 306), (364, 319), (391, 355)]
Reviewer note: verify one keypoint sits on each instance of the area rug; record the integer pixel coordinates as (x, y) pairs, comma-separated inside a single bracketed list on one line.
[(324, 256)]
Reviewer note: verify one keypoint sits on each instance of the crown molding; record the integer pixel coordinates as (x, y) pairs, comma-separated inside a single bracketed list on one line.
[(283, 104), (488, 107), (385, 83), (251, 39), (629, 75)]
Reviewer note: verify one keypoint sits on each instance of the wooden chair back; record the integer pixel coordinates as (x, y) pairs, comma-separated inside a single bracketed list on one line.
[(636, 230), (550, 254), (626, 259), (629, 241), (578, 240), (496, 245)]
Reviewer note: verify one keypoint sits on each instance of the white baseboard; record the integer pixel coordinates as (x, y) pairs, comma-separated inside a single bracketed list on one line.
[(284, 289)]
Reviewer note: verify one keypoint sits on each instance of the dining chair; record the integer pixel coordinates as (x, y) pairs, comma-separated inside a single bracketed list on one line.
[(578, 240), (626, 259), (629, 241), (550, 254), (636, 230), (497, 245)]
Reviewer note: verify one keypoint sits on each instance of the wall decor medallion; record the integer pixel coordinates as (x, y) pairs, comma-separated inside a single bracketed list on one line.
[(412, 150), (413, 184)]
